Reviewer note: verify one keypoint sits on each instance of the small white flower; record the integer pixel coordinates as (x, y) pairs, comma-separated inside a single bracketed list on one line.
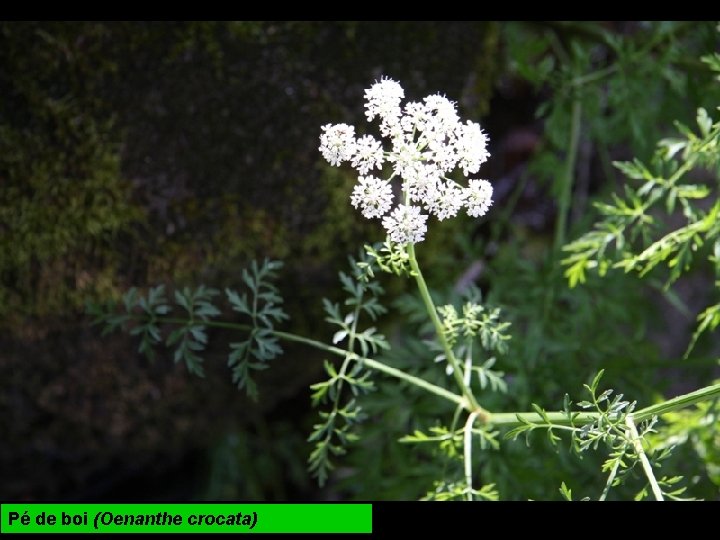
[(442, 120), (415, 117), (337, 143), (444, 110), (444, 156), (373, 195), (406, 224), (478, 197), (405, 154), (446, 200), (471, 146), (383, 99), (421, 178), (368, 154), (390, 127)]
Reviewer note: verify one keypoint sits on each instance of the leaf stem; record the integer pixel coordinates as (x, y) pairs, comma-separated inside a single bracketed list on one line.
[(422, 383), (510, 419), (613, 473), (377, 365), (374, 364)]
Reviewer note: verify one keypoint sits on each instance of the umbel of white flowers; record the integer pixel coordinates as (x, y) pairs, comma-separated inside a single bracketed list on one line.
[(428, 141)]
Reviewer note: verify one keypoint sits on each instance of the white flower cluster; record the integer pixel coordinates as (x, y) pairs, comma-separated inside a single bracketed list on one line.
[(428, 141)]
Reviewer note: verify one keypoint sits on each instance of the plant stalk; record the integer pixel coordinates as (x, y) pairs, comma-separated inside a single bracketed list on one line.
[(569, 173), (449, 355), (467, 445), (637, 445), (508, 420)]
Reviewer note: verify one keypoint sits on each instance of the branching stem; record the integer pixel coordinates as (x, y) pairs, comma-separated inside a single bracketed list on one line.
[(640, 451)]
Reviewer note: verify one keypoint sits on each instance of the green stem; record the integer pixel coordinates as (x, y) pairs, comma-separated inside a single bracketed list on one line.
[(637, 445), (379, 366), (467, 444), (581, 418), (679, 402), (422, 383), (569, 173), (346, 362), (499, 419), (594, 76), (212, 324), (555, 419), (611, 477), (374, 364), (432, 311)]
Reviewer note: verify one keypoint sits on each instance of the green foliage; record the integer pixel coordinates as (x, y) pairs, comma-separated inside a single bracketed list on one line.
[(389, 257), (614, 428), (696, 428), (337, 426), (614, 75), (431, 444), (476, 321), (263, 307), (457, 492), (145, 315), (625, 237), (631, 217)]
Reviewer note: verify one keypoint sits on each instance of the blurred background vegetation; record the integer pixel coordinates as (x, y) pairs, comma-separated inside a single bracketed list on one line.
[(135, 153)]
